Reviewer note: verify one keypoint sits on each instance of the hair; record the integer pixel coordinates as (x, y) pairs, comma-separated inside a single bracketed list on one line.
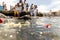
[(18, 4), (35, 6), (20, 1), (31, 6), (24, 0)]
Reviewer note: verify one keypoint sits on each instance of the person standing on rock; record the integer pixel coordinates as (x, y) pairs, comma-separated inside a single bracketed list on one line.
[(31, 9), (35, 10)]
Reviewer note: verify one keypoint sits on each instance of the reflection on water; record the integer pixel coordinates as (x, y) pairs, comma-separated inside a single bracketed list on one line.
[(13, 29)]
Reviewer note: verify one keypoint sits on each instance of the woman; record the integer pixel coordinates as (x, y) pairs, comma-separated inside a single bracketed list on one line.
[(24, 5), (31, 9), (35, 10)]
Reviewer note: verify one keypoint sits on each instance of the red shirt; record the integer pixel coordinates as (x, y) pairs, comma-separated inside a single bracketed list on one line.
[(47, 25), (1, 20)]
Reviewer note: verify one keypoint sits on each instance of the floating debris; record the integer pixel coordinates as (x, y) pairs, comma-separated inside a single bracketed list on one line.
[(5, 34), (11, 36)]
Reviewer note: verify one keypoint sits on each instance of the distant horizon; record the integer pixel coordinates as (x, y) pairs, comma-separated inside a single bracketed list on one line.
[(43, 5)]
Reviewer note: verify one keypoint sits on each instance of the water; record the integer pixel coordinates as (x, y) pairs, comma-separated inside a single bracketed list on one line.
[(53, 31), (33, 31)]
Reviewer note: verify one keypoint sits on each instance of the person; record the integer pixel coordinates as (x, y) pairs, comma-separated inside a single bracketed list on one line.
[(27, 6), (35, 10), (15, 11), (3, 3), (23, 13), (48, 25), (20, 7), (1, 21), (50, 13), (24, 5), (31, 9), (20, 3), (4, 6)]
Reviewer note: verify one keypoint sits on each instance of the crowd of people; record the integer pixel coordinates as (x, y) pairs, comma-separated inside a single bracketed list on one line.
[(24, 7)]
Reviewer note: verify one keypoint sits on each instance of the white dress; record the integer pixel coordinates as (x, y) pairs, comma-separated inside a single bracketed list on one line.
[(31, 12), (35, 12)]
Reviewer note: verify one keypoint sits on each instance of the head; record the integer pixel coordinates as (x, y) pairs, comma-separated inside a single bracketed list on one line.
[(3, 3), (20, 1), (35, 6), (15, 6), (24, 1), (18, 4), (31, 6)]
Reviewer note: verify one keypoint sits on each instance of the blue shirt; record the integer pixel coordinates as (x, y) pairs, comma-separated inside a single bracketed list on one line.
[(1, 7)]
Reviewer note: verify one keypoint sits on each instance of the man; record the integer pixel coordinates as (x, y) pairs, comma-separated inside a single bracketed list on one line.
[(16, 11)]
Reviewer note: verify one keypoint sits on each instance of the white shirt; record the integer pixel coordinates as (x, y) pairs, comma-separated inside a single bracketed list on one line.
[(19, 9), (31, 10)]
